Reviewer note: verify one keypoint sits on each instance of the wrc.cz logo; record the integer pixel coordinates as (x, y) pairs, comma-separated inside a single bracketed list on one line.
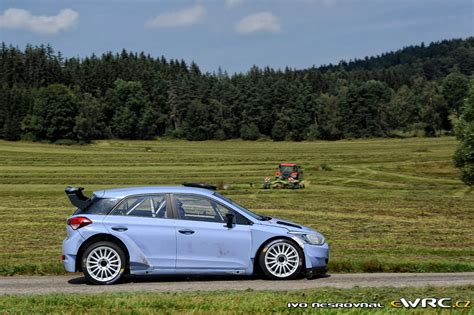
[(430, 302)]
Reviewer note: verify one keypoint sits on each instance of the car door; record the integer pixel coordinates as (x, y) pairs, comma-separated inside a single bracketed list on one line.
[(143, 223), (203, 240)]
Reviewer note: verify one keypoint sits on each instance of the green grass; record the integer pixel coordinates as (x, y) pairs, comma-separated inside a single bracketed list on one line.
[(383, 204), (243, 302)]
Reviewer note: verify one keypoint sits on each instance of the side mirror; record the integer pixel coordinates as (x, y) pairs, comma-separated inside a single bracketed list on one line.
[(230, 220)]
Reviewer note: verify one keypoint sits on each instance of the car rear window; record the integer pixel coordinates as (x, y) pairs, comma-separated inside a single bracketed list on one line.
[(99, 206)]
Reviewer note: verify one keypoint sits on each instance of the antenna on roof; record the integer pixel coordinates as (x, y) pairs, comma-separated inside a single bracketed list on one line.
[(200, 185)]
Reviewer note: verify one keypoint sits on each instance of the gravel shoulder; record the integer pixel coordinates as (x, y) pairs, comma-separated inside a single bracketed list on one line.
[(76, 283)]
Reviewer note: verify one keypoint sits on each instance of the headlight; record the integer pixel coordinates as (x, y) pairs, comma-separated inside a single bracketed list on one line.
[(312, 239)]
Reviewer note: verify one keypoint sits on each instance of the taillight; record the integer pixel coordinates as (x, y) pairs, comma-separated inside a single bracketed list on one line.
[(78, 222)]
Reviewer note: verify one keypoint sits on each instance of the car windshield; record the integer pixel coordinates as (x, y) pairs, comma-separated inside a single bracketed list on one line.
[(243, 209), (98, 206)]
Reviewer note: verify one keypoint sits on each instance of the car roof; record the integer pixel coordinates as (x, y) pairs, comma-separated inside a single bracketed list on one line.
[(129, 191)]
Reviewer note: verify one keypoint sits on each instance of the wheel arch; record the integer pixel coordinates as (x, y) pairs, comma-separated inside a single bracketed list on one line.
[(256, 265), (97, 238)]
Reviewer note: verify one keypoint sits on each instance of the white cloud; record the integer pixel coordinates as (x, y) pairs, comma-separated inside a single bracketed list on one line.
[(233, 3), (43, 24), (258, 22), (184, 17)]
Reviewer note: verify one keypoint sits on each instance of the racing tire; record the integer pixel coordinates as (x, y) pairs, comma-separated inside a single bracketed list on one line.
[(281, 259), (103, 263)]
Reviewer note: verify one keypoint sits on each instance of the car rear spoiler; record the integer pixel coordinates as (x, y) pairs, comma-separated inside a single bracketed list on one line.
[(77, 198)]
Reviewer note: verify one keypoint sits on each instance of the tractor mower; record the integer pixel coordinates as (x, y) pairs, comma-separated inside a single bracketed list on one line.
[(289, 176)]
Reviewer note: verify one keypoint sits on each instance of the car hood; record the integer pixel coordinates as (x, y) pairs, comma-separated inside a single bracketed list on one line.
[(289, 225)]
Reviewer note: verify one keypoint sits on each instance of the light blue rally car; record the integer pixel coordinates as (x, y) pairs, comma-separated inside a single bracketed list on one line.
[(189, 229)]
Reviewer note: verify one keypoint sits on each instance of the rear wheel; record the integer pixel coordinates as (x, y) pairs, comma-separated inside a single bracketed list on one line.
[(281, 259), (103, 263)]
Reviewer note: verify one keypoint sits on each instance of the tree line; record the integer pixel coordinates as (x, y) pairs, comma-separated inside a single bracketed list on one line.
[(47, 97)]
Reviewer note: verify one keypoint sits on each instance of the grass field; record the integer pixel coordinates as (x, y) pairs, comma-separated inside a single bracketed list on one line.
[(248, 302), (383, 205)]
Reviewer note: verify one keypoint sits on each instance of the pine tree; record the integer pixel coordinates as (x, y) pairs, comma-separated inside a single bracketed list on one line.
[(365, 109), (329, 120)]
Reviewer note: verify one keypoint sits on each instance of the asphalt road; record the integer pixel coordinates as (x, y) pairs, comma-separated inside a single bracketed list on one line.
[(76, 283)]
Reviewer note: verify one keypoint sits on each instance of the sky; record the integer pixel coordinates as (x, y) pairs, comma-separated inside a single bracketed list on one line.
[(235, 34)]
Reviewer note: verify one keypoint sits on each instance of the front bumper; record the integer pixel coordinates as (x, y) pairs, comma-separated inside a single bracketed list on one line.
[(316, 259), (316, 271)]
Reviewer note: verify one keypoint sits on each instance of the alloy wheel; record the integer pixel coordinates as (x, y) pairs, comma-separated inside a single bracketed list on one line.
[(282, 259), (103, 264)]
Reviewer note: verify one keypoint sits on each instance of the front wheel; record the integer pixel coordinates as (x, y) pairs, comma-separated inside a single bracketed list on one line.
[(103, 263), (281, 260)]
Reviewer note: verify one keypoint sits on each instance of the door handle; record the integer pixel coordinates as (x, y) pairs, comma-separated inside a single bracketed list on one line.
[(186, 232), (119, 228)]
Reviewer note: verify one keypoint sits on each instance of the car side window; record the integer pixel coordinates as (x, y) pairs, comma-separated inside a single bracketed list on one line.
[(196, 208), (142, 206), (238, 218)]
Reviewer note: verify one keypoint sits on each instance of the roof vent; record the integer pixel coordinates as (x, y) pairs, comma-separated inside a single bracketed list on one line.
[(200, 185)]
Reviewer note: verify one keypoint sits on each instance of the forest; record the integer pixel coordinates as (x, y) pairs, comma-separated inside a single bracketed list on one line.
[(417, 90)]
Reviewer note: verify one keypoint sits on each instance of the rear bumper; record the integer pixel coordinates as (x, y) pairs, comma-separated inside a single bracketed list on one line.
[(71, 245), (69, 262)]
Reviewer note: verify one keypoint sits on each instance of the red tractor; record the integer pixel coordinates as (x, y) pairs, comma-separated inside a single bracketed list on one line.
[(289, 175)]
